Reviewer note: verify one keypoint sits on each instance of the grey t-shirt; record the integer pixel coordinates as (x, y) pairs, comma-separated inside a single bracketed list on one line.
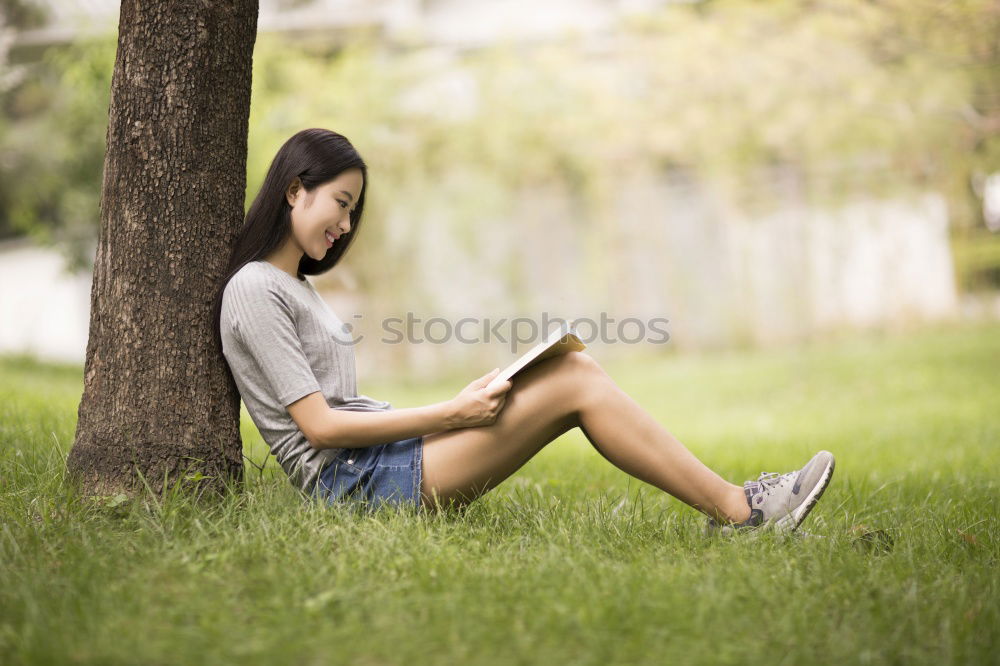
[(283, 342)]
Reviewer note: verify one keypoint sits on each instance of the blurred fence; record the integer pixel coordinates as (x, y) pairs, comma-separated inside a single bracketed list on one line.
[(673, 250)]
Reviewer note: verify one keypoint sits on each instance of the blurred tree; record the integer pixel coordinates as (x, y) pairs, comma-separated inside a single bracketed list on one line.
[(54, 148), (22, 14), (15, 15), (963, 38), (157, 398)]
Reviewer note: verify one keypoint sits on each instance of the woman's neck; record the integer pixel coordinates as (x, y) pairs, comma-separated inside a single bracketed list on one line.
[(286, 258)]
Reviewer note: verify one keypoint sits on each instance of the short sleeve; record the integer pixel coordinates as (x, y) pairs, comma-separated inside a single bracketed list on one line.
[(264, 322)]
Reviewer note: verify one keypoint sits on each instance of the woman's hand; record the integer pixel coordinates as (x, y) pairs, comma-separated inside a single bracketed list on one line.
[(477, 405)]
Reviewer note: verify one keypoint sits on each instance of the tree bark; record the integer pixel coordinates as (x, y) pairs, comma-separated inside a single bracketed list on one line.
[(158, 400)]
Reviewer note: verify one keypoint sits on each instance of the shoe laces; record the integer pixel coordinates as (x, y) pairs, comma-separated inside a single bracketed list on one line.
[(768, 481)]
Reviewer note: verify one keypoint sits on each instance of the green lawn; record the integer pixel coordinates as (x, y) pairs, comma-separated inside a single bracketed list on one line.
[(569, 561)]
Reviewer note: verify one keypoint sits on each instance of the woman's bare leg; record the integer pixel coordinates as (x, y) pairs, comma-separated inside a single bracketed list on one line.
[(556, 395)]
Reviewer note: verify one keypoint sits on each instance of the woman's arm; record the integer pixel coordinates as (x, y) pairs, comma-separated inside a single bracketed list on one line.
[(325, 427)]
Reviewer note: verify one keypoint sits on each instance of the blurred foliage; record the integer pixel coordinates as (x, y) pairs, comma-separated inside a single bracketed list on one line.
[(15, 15), (22, 14), (851, 95), (977, 259), (53, 145)]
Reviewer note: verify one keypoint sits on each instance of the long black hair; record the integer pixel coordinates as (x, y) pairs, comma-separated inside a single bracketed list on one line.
[(315, 156)]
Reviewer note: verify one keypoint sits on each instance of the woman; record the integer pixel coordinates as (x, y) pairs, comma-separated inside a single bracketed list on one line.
[(293, 363)]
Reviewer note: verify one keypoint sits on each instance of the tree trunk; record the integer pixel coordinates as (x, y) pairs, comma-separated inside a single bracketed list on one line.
[(157, 399)]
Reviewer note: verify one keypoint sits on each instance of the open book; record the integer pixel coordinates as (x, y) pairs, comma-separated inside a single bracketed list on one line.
[(559, 341)]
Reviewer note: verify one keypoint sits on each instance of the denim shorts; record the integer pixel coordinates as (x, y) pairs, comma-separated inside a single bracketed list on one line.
[(375, 475)]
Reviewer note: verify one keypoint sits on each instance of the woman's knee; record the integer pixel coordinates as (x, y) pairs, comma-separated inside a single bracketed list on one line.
[(562, 385), (580, 366), (580, 378), (583, 362)]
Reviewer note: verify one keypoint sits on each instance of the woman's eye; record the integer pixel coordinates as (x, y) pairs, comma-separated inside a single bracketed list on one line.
[(343, 204)]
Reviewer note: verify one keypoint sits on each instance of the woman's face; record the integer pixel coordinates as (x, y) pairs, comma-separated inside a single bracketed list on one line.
[(320, 217)]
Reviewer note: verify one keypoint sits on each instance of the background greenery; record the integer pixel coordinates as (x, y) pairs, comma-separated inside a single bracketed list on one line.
[(853, 96), (567, 562)]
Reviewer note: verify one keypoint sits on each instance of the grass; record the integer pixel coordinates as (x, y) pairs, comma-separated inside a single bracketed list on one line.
[(569, 561)]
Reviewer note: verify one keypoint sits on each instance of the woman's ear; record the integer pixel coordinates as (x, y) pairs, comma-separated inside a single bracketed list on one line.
[(292, 193)]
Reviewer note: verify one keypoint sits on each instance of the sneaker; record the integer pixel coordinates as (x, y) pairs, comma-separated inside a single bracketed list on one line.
[(781, 502)]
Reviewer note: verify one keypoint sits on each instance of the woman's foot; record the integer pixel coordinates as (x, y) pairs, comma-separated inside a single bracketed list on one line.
[(781, 502)]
